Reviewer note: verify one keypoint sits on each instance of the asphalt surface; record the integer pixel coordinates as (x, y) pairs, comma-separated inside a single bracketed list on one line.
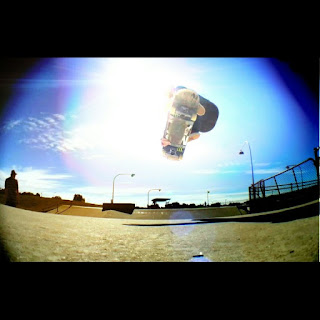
[(35, 236)]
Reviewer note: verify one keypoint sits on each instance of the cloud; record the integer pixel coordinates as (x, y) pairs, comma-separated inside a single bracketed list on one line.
[(48, 132), (213, 171), (60, 117), (37, 180), (11, 124), (235, 168), (45, 133), (262, 164), (206, 171), (221, 168), (123, 192), (53, 132), (266, 171)]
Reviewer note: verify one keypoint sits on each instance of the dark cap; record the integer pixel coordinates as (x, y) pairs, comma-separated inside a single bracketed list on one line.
[(13, 173)]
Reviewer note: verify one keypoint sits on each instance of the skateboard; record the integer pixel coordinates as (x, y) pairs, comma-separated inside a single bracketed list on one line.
[(183, 112)]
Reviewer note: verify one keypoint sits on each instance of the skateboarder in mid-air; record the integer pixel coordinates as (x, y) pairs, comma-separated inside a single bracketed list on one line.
[(206, 117)]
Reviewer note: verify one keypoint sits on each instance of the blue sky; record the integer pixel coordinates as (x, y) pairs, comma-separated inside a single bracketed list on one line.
[(71, 124)]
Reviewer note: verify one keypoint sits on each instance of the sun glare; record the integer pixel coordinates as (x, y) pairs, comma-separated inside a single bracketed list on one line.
[(124, 114), (130, 109)]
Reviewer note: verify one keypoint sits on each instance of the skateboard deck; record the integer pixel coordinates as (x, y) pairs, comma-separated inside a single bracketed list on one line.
[(181, 117)]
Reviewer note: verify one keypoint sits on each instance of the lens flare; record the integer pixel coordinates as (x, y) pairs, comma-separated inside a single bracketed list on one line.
[(183, 229)]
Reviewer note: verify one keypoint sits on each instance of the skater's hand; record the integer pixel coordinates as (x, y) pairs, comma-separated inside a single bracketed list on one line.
[(201, 110), (165, 142)]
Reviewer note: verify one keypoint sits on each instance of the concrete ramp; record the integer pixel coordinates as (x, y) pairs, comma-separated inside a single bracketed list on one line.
[(36, 236), (80, 211), (153, 214), (187, 213), (201, 215), (306, 210)]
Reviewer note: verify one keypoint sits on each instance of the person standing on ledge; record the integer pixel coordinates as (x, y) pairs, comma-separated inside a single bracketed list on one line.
[(11, 190)]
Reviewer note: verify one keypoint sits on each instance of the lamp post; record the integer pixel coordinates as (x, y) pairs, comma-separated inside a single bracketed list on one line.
[(148, 194), (208, 198), (120, 174), (241, 152)]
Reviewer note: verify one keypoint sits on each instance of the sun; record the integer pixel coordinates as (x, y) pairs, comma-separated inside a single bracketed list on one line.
[(132, 107), (125, 113)]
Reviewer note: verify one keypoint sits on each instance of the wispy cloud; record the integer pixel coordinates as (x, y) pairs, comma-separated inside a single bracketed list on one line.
[(45, 132), (124, 192), (11, 124), (36, 180), (213, 171), (205, 171), (221, 168), (233, 167), (262, 164), (267, 171)]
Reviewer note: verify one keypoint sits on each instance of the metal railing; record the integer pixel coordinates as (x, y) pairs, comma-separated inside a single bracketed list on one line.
[(295, 185)]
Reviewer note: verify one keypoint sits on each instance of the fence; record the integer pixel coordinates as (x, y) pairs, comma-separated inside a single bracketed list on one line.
[(296, 185)]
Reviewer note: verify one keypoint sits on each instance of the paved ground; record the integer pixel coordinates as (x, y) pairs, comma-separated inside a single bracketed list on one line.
[(35, 236)]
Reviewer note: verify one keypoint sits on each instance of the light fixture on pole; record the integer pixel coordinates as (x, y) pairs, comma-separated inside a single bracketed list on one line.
[(148, 194), (120, 174), (241, 153)]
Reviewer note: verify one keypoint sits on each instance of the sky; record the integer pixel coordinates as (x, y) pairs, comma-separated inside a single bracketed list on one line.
[(70, 125)]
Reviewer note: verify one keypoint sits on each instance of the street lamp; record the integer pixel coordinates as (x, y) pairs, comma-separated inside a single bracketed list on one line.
[(148, 194), (241, 152), (120, 174), (208, 198)]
